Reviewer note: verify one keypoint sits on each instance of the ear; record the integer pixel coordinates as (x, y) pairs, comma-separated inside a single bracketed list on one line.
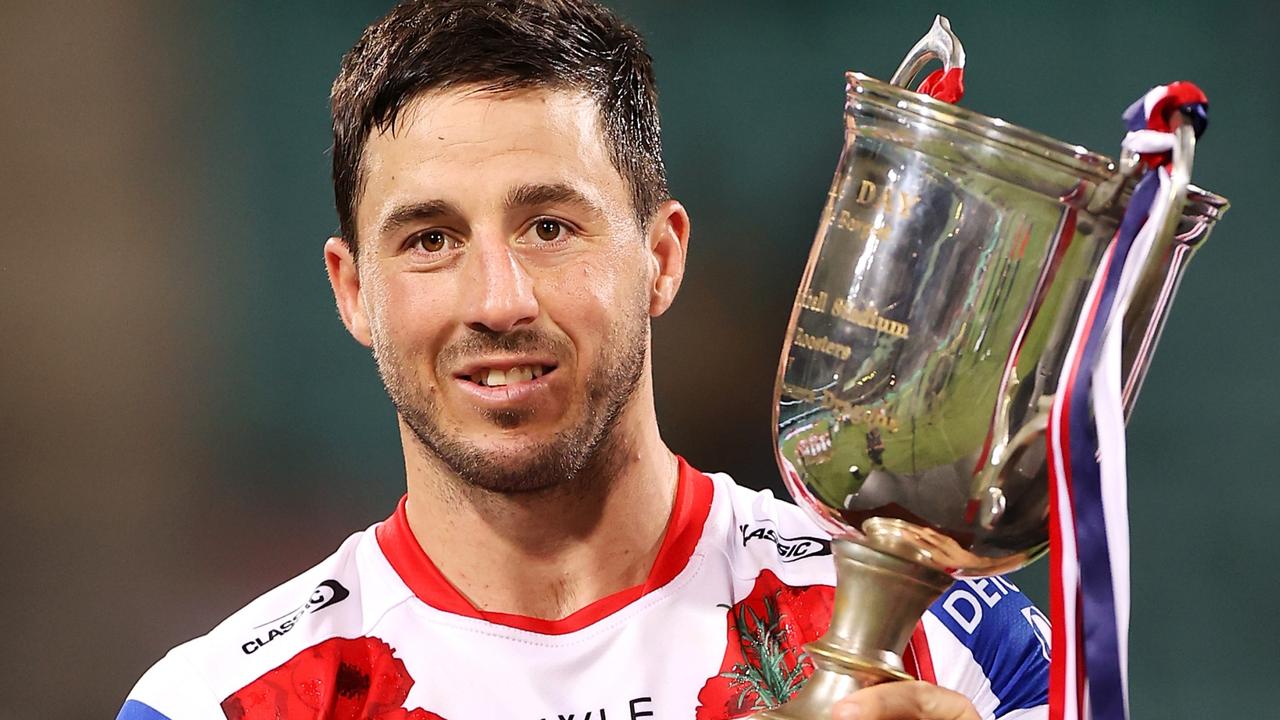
[(344, 278), (668, 246)]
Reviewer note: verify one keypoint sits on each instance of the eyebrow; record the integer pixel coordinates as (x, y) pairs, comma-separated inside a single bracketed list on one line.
[(536, 194), (417, 212), (522, 196)]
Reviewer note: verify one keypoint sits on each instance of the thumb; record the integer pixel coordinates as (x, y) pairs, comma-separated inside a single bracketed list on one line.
[(905, 701)]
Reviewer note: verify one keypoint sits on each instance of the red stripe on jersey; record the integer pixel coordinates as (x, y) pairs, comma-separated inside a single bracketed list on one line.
[(918, 647), (688, 516)]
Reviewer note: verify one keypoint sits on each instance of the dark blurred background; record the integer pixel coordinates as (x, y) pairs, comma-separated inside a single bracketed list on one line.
[(184, 423)]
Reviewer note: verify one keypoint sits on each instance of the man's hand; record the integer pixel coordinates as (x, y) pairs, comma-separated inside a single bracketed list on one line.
[(905, 701)]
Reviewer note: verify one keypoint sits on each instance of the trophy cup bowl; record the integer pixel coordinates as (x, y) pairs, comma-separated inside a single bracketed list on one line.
[(926, 345)]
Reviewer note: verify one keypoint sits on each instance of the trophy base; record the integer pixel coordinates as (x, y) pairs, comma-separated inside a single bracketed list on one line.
[(878, 601)]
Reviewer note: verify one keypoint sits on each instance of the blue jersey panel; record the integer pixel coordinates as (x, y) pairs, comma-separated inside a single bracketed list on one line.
[(134, 710), (1007, 634)]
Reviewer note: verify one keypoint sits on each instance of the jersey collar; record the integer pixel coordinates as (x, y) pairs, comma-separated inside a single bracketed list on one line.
[(692, 505)]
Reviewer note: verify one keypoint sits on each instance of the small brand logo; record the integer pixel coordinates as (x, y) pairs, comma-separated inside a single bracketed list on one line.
[(790, 549), (329, 592), (1040, 625)]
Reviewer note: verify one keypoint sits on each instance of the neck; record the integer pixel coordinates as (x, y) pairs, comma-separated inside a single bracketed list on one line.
[(548, 554)]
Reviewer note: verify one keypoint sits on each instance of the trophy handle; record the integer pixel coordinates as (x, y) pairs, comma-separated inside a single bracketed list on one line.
[(940, 44), (990, 497), (1158, 282)]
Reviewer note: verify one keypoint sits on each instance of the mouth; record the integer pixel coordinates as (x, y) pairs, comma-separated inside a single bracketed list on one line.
[(506, 379), (502, 386), (503, 377)]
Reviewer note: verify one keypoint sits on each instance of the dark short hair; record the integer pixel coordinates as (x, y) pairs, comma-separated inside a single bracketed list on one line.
[(499, 45)]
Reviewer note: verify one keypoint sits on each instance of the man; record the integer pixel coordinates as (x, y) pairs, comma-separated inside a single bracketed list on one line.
[(507, 236)]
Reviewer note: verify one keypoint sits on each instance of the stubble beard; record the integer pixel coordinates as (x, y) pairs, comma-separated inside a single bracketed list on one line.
[(572, 456)]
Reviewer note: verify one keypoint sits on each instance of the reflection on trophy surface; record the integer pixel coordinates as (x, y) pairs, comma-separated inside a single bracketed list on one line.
[(925, 348)]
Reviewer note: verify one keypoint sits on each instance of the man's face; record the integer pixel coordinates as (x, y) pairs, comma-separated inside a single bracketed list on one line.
[(505, 284)]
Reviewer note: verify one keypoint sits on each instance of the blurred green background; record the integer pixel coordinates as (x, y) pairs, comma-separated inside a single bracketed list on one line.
[(184, 423)]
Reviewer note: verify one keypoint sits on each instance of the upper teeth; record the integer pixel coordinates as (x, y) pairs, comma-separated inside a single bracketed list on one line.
[(495, 378)]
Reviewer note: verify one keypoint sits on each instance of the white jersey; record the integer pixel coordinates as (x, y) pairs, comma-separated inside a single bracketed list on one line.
[(741, 582)]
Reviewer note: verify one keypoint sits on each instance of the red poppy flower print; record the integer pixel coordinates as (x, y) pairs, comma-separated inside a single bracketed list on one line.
[(764, 661), (339, 679)]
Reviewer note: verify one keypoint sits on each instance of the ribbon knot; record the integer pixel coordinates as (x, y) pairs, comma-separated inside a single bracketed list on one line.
[(1149, 120)]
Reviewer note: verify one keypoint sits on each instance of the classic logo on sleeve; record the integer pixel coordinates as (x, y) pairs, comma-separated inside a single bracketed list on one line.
[(329, 592), (789, 549)]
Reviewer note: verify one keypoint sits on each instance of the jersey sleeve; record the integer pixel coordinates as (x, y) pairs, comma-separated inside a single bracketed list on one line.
[(990, 643), (170, 690)]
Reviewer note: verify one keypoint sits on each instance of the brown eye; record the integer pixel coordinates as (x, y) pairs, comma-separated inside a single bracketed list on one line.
[(548, 230), (431, 240)]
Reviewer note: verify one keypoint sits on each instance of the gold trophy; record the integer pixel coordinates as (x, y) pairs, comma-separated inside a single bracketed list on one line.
[(926, 344)]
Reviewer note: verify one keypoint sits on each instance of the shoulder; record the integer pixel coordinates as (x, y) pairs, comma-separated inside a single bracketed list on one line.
[(758, 532), (990, 642), (344, 594)]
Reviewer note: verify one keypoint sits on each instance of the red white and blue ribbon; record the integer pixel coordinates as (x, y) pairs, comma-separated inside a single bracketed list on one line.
[(1089, 526)]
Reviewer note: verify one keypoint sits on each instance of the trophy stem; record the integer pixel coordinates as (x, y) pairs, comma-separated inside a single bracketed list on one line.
[(878, 601)]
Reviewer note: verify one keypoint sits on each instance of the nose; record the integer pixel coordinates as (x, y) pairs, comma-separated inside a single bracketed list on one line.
[(499, 294)]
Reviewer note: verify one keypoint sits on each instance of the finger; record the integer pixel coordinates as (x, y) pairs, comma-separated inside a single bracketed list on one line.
[(905, 701)]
